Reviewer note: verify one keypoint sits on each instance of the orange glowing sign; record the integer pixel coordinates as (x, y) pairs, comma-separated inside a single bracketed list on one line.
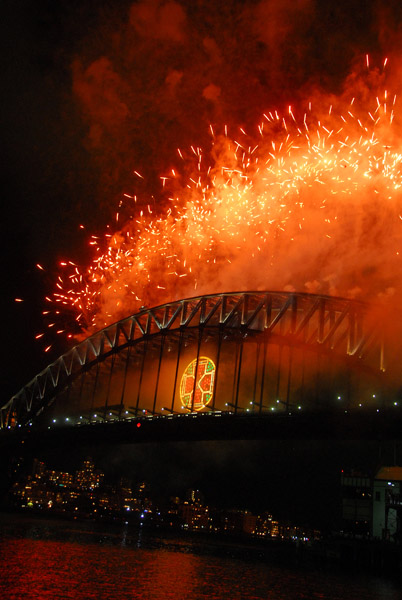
[(203, 387)]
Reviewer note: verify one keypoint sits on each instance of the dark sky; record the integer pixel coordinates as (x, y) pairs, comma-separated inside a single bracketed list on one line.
[(92, 90)]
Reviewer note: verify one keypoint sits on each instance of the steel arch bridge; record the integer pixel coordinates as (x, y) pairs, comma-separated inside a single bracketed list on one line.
[(228, 353)]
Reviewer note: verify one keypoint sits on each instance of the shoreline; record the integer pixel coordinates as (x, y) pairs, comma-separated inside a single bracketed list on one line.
[(350, 555)]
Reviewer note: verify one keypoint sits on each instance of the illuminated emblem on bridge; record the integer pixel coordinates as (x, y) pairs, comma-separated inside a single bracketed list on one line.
[(203, 388)]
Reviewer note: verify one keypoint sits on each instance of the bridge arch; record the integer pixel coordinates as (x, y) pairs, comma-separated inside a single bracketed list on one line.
[(265, 351)]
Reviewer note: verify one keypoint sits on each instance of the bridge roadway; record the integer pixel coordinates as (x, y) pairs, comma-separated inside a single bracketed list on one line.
[(375, 424)]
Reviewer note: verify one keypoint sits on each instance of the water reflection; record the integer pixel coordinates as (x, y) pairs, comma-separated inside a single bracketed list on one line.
[(62, 560)]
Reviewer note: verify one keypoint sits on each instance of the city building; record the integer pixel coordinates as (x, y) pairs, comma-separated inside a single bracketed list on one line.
[(239, 521), (196, 517), (387, 503), (195, 497), (357, 503), (372, 506), (265, 526), (86, 495), (88, 477)]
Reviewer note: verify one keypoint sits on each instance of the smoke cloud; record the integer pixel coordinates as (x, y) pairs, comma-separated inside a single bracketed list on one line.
[(159, 78), (216, 82)]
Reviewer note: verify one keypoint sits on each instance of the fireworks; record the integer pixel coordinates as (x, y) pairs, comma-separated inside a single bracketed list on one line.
[(311, 203)]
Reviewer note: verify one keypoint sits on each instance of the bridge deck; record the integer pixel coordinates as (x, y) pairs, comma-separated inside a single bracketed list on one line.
[(353, 425)]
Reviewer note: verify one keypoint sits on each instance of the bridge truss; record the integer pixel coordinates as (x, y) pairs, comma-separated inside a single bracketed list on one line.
[(267, 351)]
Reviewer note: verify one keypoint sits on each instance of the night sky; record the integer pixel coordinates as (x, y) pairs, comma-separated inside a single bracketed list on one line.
[(91, 91)]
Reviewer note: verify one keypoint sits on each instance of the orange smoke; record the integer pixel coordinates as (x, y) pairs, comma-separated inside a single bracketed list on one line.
[(308, 199), (311, 203)]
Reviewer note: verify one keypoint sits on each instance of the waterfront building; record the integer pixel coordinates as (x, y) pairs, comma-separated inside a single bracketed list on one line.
[(357, 503), (239, 521), (196, 517), (372, 506), (265, 526), (88, 477), (387, 503)]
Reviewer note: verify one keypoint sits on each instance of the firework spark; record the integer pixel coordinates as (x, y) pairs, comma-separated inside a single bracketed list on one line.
[(311, 203)]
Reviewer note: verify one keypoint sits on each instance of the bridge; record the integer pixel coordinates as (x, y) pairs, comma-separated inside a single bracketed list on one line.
[(231, 365)]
